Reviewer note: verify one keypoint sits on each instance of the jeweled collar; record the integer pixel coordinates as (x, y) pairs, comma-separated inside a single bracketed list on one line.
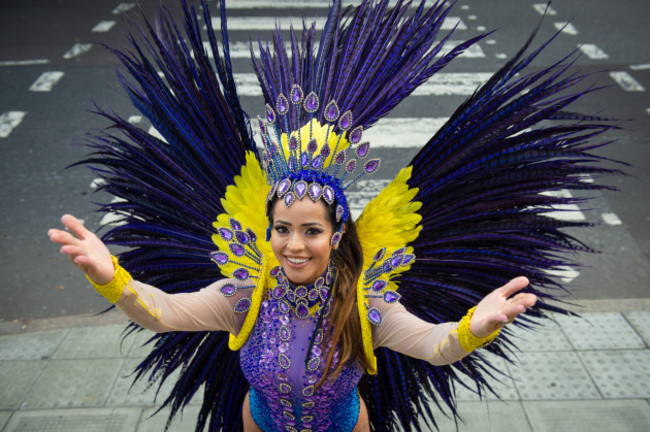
[(304, 299)]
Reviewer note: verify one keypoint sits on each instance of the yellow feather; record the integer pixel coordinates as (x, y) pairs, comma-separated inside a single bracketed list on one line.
[(318, 132)]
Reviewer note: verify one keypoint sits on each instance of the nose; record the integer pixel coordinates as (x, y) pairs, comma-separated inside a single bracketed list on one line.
[(295, 243)]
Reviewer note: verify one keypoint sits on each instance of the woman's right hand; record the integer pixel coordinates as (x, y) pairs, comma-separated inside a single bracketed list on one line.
[(85, 250)]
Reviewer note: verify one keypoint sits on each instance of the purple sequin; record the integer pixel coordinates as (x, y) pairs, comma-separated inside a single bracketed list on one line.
[(220, 258)]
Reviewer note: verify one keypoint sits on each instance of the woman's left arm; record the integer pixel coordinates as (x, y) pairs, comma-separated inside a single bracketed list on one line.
[(441, 344)]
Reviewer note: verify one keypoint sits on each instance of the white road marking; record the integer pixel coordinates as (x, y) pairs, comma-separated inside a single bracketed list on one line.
[(135, 119), (491, 42), (103, 26), (296, 4), (585, 178), (565, 273), (46, 81), (97, 183), (464, 7), (77, 49), (647, 110), (611, 219), (567, 212), (24, 62), (472, 17), (114, 218), (566, 28), (626, 81), (541, 8), (640, 66), (269, 23), (9, 121), (153, 131), (501, 56), (480, 28), (593, 52), (123, 7)]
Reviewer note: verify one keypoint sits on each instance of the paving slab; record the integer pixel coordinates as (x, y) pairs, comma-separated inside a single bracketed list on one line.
[(488, 416), (503, 385), (74, 383), (75, 420), (184, 421), (31, 346), (600, 331), (17, 378), (4, 416), (547, 336), (588, 416), (619, 374), (142, 393), (94, 342), (140, 339), (640, 320), (552, 376)]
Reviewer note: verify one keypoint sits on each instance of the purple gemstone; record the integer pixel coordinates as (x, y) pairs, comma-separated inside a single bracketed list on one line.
[(282, 104), (283, 306), (243, 305), (323, 293), (396, 260), (304, 159), (242, 237), (386, 266), (237, 249), (379, 255), (319, 282), (285, 333), (374, 316), (270, 114), (408, 259), (315, 191), (283, 347), (283, 361), (391, 296), (241, 274), (340, 158), (346, 120), (262, 125), (289, 199), (312, 146), (293, 142), (279, 291), (335, 238), (225, 234), (251, 235), (274, 271), (328, 278), (379, 285), (328, 194), (284, 388), (300, 188), (313, 295), (283, 187), (308, 391), (316, 162), (355, 136), (331, 112), (234, 224), (292, 163), (228, 290), (296, 94), (311, 102), (351, 165), (362, 150), (313, 364), (218, 257), (291, 296), (339, 212), (372, 165), (325, 150), (399, 251), (302, 310), (301, 291), (273, 149)]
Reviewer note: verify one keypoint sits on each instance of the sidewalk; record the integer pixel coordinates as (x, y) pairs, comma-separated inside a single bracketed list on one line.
[(574, 375)]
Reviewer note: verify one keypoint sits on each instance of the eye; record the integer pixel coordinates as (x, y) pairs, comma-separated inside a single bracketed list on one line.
[(281, 229), (313, 231)]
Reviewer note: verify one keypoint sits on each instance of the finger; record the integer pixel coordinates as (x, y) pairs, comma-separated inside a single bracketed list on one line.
[(73, 250), (511, 311), (526, 299), (75, 226), (62, 237), (514, 285)]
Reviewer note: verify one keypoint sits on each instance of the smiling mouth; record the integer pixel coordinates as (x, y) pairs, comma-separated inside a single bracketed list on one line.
[(298, 260)]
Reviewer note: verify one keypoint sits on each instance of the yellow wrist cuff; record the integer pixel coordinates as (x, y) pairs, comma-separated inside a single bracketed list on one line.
[(112, 291), (467, 340)]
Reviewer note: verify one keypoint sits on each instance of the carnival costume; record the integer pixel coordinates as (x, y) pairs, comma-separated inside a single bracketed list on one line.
[(465, 216)]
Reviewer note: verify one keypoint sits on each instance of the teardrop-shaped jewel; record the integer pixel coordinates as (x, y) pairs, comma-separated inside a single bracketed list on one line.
[(408, 259), (363, 149), (292, 164), (391, 296), (300, 189), (234, 224), (283, 187), (237, 249), (313, 364), (355, 136), (301, 291), (262, 125), (340, 158), (242, 237), (311, 103), (312, 146), (308, 391), (219, 257), (270, 114), (336, 237), (279, 291), (296, 94), (228, 290), (284, 388), (374, 316), (379, 285), (346, 120), (285, 333), (284, 361), (313, 295), (331, 112), (316, 162), (289, 199), (304, 159), (325, 150), (282, 104), (351, 165), (225, 234), (372, 165), (396, 260), (302, 310), (242, 305), (293, 142), (241, 274), (251, 235), (275, 270), (380, 254), (340, 211), (315, 191), (328, 194)]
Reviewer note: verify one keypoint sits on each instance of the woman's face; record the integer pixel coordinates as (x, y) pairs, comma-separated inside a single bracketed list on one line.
[(301, 239)]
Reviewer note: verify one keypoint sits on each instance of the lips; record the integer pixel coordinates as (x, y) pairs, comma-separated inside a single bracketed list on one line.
[(297, 261)]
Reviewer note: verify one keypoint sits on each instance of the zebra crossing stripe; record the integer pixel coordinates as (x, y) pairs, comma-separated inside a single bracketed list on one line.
[(566, 212), (611, 219), (103, 26), (566, 28), (542, 7), (640, 66), (269, 23), (305, 4), (123, 7), (46, 81), (76, 50), (9, 121), (593, 52), (24, 62), (626, 81)]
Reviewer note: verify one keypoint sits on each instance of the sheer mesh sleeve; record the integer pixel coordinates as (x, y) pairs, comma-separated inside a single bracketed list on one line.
[(207, 309), (405, 333)]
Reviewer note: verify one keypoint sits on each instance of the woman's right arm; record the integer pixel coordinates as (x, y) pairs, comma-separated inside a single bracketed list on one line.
[(149, 307)]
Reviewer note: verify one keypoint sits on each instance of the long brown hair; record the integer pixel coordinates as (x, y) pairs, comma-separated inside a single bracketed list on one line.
[(345, 328)]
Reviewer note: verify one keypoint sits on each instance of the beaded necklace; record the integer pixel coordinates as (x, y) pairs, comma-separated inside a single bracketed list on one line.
[(305, 300)]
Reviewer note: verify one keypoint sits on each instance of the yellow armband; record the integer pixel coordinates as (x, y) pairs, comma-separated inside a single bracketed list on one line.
[(112, 291), (467, 340)]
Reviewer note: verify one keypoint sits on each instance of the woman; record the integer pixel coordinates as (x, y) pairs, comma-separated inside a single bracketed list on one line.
[(301, 243)]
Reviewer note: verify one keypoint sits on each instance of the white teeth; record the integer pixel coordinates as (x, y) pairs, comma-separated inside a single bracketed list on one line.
[(297, 260)]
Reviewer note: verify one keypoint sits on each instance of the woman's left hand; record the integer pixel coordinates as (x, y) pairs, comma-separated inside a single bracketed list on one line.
[(498, 309)]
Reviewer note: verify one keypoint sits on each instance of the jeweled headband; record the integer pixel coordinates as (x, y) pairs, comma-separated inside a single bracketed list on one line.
[(313, 160)]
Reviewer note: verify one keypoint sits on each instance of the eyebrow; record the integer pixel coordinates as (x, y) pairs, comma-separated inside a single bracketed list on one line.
[(307, 224)]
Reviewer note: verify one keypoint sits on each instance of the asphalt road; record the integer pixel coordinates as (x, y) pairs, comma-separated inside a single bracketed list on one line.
[(53, 65)]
